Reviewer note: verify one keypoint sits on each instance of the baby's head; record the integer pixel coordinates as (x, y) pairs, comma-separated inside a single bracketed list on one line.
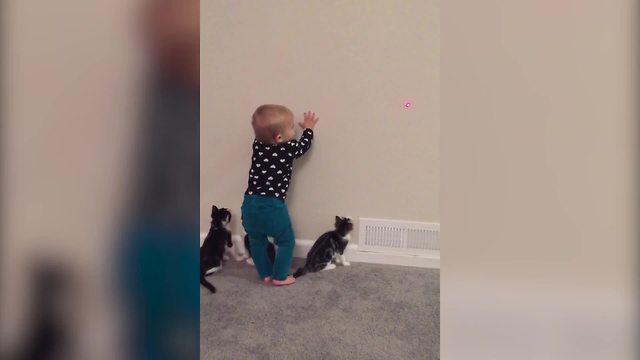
[(273, 124)]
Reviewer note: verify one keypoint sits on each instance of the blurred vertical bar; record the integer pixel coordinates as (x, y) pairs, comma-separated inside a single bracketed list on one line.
[(160, 256), (539, 179), (100, 179)]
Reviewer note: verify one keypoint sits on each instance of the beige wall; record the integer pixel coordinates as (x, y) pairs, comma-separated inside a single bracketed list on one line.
[(539, 180), (354, 63)]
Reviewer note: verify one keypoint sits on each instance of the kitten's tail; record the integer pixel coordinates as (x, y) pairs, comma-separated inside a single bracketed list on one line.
[(207, 284), (301, 271)]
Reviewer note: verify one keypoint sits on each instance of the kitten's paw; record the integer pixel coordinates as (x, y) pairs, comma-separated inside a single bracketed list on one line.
[(340, 260), (225, 257), (237, 256), (329, 266), (213, 270), (346, 263)]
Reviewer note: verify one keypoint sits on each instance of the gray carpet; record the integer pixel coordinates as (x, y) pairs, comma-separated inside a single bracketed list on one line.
[(364, 311)]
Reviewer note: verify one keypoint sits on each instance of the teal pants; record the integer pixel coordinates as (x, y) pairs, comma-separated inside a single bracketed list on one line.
[(266, 216)]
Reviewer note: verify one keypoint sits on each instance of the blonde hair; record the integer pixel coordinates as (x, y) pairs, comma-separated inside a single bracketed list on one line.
[(270, 120)]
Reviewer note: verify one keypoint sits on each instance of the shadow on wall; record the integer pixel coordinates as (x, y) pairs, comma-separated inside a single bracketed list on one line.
[(299, 165)]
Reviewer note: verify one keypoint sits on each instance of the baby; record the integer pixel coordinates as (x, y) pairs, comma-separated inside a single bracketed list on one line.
[(264, 212)]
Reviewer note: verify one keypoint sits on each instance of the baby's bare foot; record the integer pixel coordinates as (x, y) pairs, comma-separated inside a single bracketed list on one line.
[(288, 281)]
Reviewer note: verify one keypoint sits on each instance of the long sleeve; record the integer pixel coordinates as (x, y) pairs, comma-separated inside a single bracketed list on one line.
[(304, 144)]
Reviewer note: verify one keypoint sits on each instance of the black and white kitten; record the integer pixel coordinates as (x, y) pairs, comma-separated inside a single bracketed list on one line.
[(271, 251), (213, 248), (328, 248)]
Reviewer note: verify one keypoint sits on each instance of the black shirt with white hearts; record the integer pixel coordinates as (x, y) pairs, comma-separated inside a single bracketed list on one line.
[(272, 164)]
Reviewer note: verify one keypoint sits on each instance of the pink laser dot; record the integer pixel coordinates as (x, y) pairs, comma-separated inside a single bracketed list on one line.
[(407, 104)]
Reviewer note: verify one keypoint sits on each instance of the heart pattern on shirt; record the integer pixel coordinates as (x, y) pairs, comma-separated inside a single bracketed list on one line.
[(275, 172)]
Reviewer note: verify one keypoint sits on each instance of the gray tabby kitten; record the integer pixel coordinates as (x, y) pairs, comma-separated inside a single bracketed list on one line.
[(329, 247)]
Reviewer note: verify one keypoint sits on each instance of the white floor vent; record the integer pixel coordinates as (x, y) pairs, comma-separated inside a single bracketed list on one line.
[(399, 237)]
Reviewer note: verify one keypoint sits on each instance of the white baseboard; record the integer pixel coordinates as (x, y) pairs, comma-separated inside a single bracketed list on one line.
[(354, 255)]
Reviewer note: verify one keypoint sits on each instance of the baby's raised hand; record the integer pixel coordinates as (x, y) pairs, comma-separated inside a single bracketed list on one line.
[(310, 120)]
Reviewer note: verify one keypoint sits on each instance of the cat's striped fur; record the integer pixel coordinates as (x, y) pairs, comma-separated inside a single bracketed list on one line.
[(329, 247)]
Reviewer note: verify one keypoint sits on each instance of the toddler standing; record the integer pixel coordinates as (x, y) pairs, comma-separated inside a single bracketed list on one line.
[(264, 212)]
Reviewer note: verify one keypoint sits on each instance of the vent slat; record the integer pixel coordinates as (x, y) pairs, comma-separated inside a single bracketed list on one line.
[(405, 237)]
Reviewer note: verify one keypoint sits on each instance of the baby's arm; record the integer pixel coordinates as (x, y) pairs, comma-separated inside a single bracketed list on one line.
[(304, 144)]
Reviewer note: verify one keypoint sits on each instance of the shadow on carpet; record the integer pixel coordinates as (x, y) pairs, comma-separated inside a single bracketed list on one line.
[(364, 311)]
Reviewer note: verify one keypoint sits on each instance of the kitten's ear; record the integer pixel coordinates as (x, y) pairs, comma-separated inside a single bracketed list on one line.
[(338, 219), (214, 208)]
